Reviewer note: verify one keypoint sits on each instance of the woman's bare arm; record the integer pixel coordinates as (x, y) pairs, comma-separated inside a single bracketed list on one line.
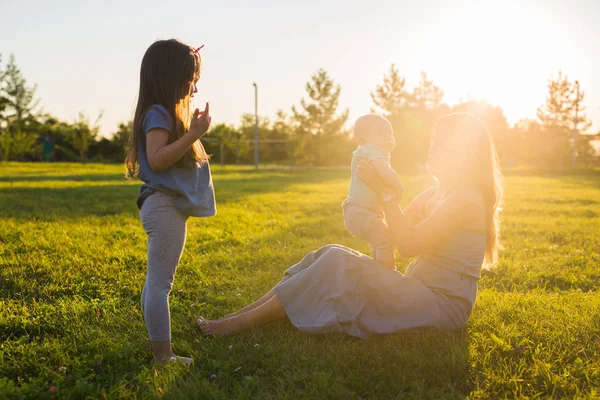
[(414, 208), (368, 173), (449, 216)]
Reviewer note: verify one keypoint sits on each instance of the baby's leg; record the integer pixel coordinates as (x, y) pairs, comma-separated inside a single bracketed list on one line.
[(384, 256), (382, 248), (370, 226), (355, 220)]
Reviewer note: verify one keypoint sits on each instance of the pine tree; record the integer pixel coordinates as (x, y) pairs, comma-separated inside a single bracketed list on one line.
[(427, 95), (411, 113), (318, 123), (19, 99), (557, 119), (391, 97), (3, 99), (5, 138), (17, 112)]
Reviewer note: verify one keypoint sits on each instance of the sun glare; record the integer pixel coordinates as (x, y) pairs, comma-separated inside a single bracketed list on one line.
[(502, 53)]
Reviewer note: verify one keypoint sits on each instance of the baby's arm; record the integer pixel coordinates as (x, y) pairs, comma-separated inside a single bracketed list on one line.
[(388, 175)]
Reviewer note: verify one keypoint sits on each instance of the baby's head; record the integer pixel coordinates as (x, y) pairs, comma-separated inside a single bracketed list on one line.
[(376, 130)]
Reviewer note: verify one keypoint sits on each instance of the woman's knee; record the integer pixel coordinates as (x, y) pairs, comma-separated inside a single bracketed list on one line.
[(332, 249)]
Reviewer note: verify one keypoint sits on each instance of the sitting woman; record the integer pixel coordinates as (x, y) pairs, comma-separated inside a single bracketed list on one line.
[(452, 228)]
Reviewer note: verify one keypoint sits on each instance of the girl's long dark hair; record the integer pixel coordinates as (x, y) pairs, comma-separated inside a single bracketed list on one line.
[(167, 75)]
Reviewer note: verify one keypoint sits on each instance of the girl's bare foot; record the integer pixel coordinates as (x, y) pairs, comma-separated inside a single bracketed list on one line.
[(175, 359), (163, 353)]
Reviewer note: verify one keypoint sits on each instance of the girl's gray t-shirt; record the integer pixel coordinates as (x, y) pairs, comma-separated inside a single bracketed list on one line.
[(191, 188)]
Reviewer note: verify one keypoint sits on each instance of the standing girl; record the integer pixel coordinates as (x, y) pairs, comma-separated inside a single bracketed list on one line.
[(166, 154)]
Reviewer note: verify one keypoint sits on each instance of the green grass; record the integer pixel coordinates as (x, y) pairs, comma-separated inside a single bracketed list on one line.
[(72, 265)]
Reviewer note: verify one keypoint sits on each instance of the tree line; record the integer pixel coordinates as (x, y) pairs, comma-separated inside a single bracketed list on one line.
[(315, 132)]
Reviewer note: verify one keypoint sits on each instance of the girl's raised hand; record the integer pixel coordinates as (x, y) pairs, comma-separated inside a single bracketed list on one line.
[(200, 122)]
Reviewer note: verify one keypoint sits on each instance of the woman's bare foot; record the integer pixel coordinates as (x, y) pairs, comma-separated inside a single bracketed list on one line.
[(225, 316), (270, 311), (201, 320), (270, 294), (222, 326)]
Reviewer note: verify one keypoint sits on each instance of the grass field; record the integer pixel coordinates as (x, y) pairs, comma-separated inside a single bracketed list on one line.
[(72, 265)]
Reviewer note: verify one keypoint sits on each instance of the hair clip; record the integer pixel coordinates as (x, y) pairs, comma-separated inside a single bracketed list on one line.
[(198, 49)]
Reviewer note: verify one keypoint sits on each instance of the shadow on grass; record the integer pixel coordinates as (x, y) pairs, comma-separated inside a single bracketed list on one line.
[(231, 188), (76, 178), (277, 361), (47, 203)]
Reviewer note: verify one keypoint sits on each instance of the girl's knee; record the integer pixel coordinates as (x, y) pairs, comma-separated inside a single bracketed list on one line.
[(158, 290)]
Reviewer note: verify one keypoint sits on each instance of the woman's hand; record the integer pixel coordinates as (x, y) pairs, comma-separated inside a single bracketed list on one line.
[(369, 176), (200, 122)]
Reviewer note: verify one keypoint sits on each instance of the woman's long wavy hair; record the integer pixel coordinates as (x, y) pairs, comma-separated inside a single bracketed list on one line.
[(168, 73), (477, 166)]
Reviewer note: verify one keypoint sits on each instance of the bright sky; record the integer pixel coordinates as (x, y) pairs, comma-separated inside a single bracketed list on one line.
[(86, 56)]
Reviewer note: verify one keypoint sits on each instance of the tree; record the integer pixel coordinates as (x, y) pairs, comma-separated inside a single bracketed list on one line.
[(17, 112), (495, 121), (559, 107), (412, 115), (5, 144), (121, 136), (83, 134), (525, 143), (283, 128), (557, 118), (425, 106), (318, 123), (60, 133), (3, 98), (391, 97), (586, 152), (22, 143), (492, 116), (245, 143), (5, 138), (19, 100), (226, 137), (426, 95)]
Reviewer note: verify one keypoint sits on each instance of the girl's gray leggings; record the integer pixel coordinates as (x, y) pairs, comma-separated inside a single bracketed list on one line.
[(166, 230)]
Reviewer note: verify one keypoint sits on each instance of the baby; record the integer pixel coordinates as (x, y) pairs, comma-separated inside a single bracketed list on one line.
[(363, 214)]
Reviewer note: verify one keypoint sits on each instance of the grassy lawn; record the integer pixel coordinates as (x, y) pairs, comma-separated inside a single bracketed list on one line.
[(72, 266)]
